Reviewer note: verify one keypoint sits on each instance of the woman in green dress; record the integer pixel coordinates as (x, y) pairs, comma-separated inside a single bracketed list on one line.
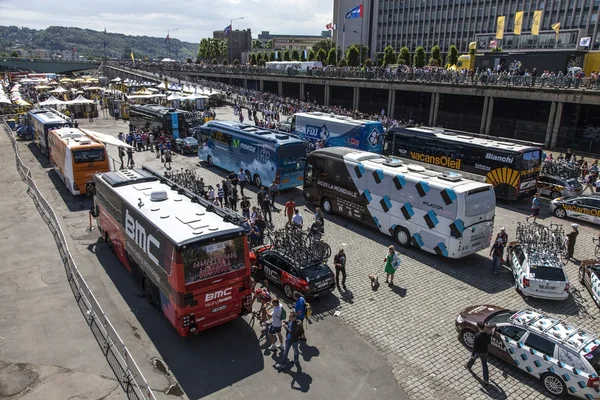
[(389, 267)]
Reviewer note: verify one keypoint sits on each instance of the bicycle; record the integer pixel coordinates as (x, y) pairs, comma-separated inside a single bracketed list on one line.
[(597, 247)]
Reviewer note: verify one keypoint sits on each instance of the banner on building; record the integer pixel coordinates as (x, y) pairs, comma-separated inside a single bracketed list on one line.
[(493, 44), (585, 41), (537, 22), (500, 27), (556, 28), (518, 22)]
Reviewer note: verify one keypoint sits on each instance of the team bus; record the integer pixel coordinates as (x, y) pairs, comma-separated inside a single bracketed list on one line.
[(76, 157), (157, 118), (190, 257), (338, 130), (43, 121), (511, 167), (265, 155), (439, 212)]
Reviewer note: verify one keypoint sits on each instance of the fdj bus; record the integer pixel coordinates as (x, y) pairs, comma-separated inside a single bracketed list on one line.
[(441, 213), (263, 154), (43, 121), (157, 118), (190, 257), (512, 168), (338, 130)]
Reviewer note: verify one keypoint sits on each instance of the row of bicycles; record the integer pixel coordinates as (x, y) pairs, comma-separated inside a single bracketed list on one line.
[(547, 241)]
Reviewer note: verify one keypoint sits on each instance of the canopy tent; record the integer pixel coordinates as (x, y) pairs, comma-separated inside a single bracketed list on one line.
[(21, 102), (51, 102), (43, 87), (92, 88), (143, 91), (195, 96), (174, 97), (80, 100), (58, 90), (146, 96), (117, 79), (106, 139)]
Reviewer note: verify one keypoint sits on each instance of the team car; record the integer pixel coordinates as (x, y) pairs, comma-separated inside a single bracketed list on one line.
[(555, 187), (187, 145), (565, 358), (312, 280), (537, 273), (585, 208), (589, 276)]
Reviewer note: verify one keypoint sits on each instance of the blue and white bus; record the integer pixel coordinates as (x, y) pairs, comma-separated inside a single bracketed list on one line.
[(339, 130), (44, 120), (265, 155)]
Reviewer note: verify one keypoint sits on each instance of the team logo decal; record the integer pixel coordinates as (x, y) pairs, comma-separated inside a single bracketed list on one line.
[(374, 138), (448, 195), (399, 181)]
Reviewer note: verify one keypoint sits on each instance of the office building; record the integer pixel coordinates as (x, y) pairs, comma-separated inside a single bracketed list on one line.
[(426, 23), (291, 42), (239, 42)]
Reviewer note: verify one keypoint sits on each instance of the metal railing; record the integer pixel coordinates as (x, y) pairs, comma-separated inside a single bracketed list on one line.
[(117, 355)]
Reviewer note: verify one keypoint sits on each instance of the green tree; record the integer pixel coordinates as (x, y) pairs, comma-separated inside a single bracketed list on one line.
[(295, 55), (214, 48), (272, 56), (332, 57), (311, 55), (252, 59), (225, 62), (236, 61), (286, 55), (342, 62), (203, 49), (259, 59), (224, 48), (389, 56), (324, 44), (453, 55), (14, 54), (215, 61), (419, 58), (436, 55), (368, 62), (404, 55), (269, 44), (321, 56), (352, 56), (256, 44), (365, 50)]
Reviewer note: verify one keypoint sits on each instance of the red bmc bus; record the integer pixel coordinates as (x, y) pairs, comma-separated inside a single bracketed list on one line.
[(190, 257)]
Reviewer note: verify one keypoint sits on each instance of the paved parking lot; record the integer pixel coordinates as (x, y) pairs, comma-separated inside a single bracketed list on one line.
[(412, 324)]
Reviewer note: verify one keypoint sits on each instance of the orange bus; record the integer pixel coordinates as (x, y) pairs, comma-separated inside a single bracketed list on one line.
[(76, 157)]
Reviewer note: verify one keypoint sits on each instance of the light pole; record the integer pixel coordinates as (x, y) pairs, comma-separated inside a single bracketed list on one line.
[(169, 42), (229, 40), (361, 45)]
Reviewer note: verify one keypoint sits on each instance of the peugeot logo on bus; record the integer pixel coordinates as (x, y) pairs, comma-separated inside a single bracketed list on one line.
[(137, 233)]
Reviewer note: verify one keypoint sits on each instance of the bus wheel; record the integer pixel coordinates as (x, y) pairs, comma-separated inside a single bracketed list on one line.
[(149, 291), (402, 236), (326, 204), (257, 181), (248, 174), (209, 161)]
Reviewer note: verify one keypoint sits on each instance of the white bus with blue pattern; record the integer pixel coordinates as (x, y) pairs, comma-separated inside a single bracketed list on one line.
[(441, 213)]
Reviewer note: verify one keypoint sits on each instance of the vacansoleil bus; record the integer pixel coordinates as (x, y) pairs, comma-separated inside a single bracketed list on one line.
[(512, 167), (441, 213), (338, 130), (76, 157), (264, 155), (43, 121), (190, 257)]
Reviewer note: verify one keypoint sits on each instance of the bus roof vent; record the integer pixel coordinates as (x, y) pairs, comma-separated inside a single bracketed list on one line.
[(393, 162), (415, 168), (282, 137), (158, 195), (450, 176), (465, 137)]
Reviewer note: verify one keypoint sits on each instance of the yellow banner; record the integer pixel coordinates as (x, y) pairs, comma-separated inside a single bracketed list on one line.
[(500, 27), (537, 22), (132, 57), (518, 22), (473, 46), (556, 27)]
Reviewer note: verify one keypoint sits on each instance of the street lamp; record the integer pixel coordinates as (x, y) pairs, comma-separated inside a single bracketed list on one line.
[(169, 42), (361, 44), (230, 42)]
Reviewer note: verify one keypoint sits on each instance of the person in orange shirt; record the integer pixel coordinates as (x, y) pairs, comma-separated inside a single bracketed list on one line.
[(289, 209)]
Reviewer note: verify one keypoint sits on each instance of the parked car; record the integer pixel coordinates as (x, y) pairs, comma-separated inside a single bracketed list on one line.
[(187, 145), (589, 276), (585, 208), (312, 280), (538, 273), (565, 358), (555, 187)]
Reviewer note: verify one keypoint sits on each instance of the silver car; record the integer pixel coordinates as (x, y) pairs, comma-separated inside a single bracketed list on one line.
[(555, 187)]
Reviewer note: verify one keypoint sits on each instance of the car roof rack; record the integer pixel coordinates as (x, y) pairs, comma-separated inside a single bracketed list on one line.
[(298, 246)]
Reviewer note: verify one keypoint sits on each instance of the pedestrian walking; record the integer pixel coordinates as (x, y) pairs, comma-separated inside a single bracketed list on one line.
[(339, 261), (266, 208), (242, 181), (392, 262), (260, 196), (598, 185), (168, 157), (245, 205), (289, 209), (220, 194), (225, 186), (535, 207), (121, 156), (496, 254), (293, 330), (589, 183), (273, 192), (300, 311), (572, 237), (233, 198), (319, 217), (277, 315), (481, 342), (130, 157)]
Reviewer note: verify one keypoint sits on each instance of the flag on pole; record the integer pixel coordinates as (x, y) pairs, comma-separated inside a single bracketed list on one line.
[(473, 46), (227, 29), (537, 22), (331, 27), (356, 12), (104, 38), (132, 57), (500, 27), (556, 28), (518, 22), (585, 41), (493, 44), (167, 38)]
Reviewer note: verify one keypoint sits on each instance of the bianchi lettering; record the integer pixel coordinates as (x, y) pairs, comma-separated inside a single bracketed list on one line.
[(495, 157), (434, 206), (442, 161), (483, 167), (136, 232), (337, 189)]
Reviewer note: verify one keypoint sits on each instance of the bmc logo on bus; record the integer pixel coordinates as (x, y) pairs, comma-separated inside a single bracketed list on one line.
[(137, 233), (218, 294)]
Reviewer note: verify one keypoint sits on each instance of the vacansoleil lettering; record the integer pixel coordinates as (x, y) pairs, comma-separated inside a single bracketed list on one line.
[(442, 161)]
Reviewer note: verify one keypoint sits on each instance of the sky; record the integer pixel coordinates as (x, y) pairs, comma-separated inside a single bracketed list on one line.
[(193, 19)]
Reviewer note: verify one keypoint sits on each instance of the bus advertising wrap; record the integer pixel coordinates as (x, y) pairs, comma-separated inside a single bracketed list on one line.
[(201, 262)]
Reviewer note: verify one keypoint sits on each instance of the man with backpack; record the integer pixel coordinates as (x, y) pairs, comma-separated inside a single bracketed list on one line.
[(278, 315), (300, 309), (294, 330)]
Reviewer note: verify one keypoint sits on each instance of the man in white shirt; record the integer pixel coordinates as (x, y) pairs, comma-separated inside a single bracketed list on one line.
[(297, 219), (242, 180), (275, 327)]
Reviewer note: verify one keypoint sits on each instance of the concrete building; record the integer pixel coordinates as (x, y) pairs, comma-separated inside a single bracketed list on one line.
[(298, 42), (239, 42), (427, 23)]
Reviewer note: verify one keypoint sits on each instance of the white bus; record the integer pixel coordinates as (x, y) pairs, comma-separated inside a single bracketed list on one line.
[(441, 213), (300, 65)]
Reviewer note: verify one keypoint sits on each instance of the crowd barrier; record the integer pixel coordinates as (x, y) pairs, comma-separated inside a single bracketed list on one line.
[(117, 355)]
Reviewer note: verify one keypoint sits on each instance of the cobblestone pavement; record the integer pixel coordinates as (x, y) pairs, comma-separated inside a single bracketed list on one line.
[(412, 324)]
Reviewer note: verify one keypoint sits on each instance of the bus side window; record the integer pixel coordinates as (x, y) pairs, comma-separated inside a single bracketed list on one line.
[(308, 176), (205, 134)]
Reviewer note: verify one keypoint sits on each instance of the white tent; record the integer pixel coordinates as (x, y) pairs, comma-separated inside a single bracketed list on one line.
[(174, 96), (117, 79), (80, 100), (106, 139), (51, 102), (58, 90)]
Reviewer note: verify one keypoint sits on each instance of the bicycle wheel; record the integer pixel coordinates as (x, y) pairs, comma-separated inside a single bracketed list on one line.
[(597, 251)]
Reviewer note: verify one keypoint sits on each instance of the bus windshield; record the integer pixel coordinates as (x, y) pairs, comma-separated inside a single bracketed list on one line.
[(89, 155), (479, 203), (202, 261), (531, 160), (292, 156)]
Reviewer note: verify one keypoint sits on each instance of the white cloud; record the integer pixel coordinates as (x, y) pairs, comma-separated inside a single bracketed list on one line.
[(194, 19)]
